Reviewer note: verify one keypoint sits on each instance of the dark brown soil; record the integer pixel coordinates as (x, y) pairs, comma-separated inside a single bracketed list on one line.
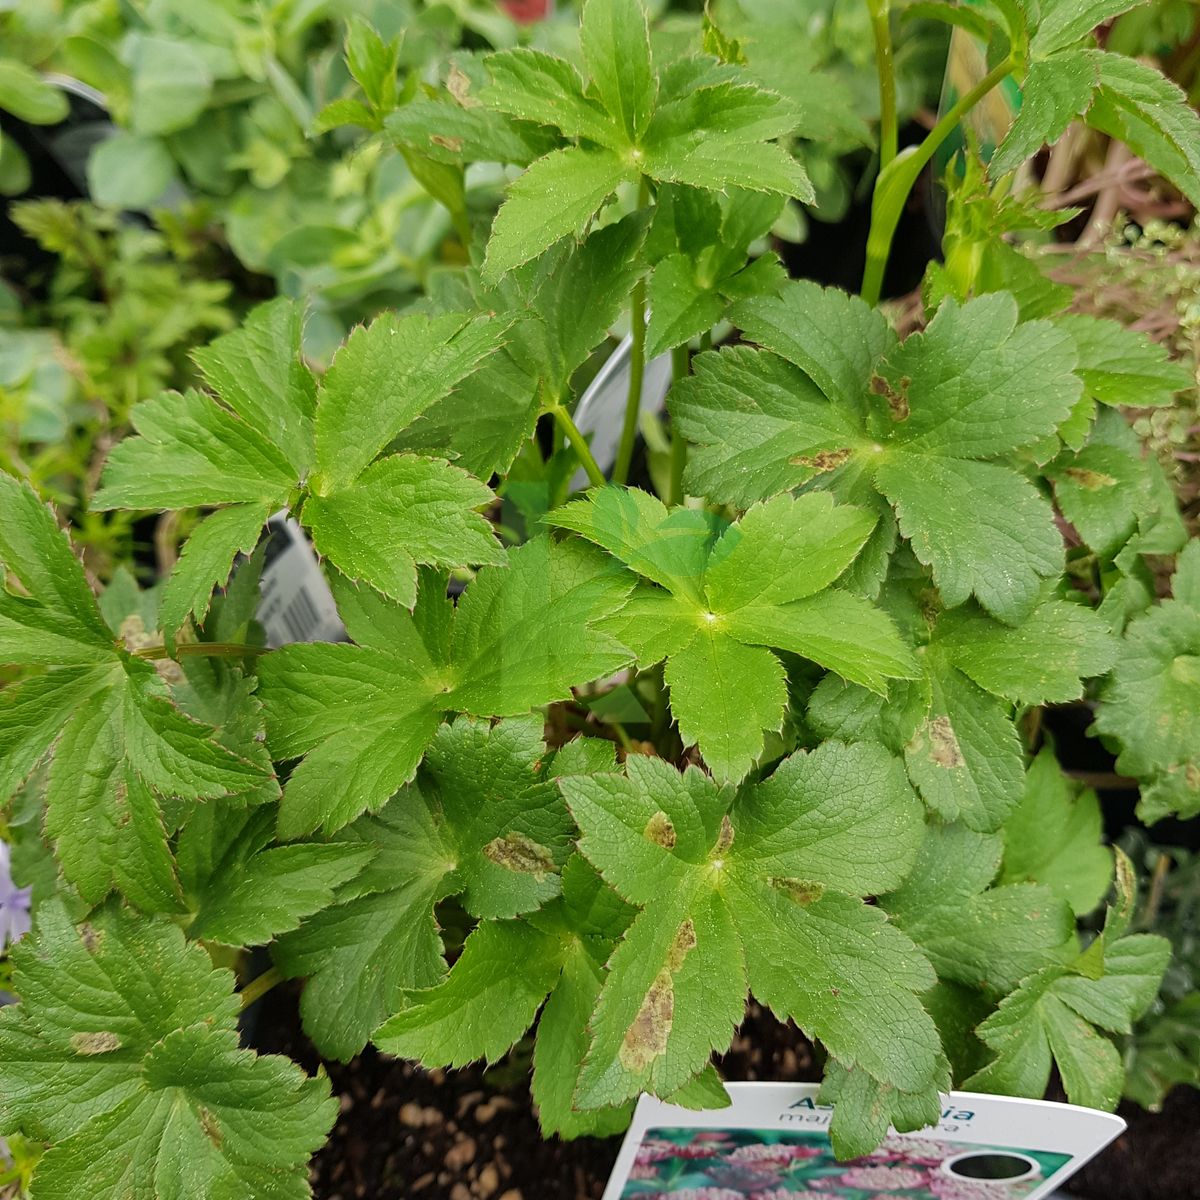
[(404, 1132), (1156, 1158), (471, 1134)]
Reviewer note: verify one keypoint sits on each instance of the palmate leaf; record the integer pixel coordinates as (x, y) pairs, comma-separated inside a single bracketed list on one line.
[(916, 421), (1055, 837), (565, 303), (115, 740), (134, 1033), (978, 931), (722, 602), (1158, 673), (1061, 1015), (701, 252), (274, 439), (485, 822), (362, 715), (241, 890), (756, 889), (1119, 96), (953, 724), (552, 960), (696, 122)]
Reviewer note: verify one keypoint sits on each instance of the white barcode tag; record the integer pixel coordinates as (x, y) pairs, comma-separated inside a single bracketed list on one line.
[(296, 605)]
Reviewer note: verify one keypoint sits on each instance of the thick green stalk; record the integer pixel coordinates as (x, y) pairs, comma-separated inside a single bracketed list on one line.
[(582, 450), (637, 365), (259, 986), (680, 360), (200, 649), (885, 66), (897, 180)]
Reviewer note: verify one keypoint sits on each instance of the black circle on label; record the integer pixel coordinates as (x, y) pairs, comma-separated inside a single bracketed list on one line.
[(991, 1166)]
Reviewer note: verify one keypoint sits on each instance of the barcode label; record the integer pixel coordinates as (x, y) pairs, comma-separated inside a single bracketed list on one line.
[(296, 605)]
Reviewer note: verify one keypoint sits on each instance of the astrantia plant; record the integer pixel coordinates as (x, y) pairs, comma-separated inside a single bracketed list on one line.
[(768, 733)]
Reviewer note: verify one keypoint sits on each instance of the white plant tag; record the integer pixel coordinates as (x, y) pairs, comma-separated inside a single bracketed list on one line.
[(601, 409), (296, 605), (773, 1141)]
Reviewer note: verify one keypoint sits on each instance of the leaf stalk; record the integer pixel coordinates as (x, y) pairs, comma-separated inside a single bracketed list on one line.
[(637, 365), (885, 66), (896, 181), (259, 986)]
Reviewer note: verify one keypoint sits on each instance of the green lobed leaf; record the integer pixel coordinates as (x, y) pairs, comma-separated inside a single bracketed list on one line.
[(362, 716), (1157, 673), (401, 511), (379, 939), (206, 561), (1053, 1017), (1053, 94), (487, 1001), (1151, 115), (980, 527), (1123, 366), (1055, 837), (977, 931), (539, 87), (911, 419), (1012, 661), (763, 584), (556, 196), (242, 890), (384, 376), (615, 41), (247, 367), (138, 1030), (191, 453), (704, 870), (58, 621), (965, 756)]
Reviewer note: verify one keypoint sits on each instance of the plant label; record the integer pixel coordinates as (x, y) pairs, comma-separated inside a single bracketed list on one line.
[(772, 1143)]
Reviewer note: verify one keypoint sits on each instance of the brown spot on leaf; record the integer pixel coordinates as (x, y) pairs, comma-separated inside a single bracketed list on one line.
[(725, 837), (646, 1039), (211, 1127), (682, 946), (803, 891), (92, 938), (520, 853), (450, 143), (943, 745), (101, 1042), (660, 830), (897, 399), (458, 84), (1091, 480), (826, 460)]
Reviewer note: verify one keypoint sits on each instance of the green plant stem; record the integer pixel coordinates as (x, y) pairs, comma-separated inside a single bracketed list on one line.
[(680, 362), (462, 227), (200, 649), (260, 986), (897, 180), (885, 66), (582, 450), (637, 365)]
